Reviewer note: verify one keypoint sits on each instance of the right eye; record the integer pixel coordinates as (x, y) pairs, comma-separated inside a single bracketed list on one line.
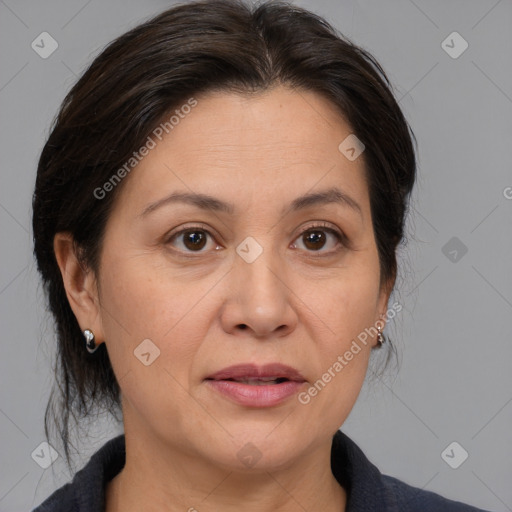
[(190, 239)]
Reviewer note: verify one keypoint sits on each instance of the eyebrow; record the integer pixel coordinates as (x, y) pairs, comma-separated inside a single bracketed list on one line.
[(210, 203)]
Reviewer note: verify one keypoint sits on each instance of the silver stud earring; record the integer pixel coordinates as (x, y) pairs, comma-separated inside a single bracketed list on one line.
[(89, 341), (380, 337)]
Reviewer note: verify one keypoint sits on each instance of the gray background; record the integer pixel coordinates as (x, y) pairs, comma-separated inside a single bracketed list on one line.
[(454, 333)]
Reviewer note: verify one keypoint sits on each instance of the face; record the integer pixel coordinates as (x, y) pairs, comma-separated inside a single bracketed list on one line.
[(262, 279)]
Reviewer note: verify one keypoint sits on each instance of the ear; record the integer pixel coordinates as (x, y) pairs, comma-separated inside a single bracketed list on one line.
[(382, 303), (80, 284)]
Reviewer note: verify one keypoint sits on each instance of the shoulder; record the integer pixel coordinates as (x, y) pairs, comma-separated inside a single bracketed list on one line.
[(62, 500), (412, 499), (86, 492), (369, 489)]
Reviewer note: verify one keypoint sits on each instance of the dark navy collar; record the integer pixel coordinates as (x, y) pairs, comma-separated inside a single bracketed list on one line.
[(363, 482)]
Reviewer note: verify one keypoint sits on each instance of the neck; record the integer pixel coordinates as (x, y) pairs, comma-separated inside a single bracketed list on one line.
[(165, 479)]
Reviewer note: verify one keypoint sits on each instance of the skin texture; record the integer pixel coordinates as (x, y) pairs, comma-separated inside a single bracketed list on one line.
[(302, 305)]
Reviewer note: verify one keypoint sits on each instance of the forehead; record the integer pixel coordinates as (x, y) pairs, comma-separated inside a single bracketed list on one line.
[(249, 146)]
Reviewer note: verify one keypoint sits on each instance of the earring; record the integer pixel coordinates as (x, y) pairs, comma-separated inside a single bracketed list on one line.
[(380, 337), (90, 345)]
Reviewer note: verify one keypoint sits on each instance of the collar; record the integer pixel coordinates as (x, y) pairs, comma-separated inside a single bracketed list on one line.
[(363, 482)]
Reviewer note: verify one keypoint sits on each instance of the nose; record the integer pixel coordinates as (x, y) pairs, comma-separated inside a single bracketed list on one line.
[(258, 303)]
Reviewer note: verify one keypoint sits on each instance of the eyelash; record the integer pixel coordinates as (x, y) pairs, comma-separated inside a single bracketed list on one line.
[(340, 237)]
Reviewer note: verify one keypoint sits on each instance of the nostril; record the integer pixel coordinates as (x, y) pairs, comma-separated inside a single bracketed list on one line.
[(242, 326)]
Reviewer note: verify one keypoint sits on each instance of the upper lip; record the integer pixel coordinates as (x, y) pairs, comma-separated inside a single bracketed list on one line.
[(252, 371)]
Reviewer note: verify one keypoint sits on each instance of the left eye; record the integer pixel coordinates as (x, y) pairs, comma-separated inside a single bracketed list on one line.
[(316, 238)]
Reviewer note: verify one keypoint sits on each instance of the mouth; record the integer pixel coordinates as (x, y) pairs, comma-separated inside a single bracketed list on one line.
[(257, 382), (251, 374), (257, 386)]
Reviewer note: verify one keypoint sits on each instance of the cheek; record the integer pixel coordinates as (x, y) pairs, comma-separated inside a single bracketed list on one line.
[(153, 326), (347, 305), (152, 333), (139, 313), (347, 310), (140, 300)]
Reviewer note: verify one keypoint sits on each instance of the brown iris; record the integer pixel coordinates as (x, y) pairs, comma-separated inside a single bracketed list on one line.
[(194, 239), (314, 239)]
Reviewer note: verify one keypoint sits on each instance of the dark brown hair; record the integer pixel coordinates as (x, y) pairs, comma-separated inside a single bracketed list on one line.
[(143, 75)]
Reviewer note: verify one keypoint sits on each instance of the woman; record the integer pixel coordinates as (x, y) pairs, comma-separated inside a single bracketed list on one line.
[(216, 216)]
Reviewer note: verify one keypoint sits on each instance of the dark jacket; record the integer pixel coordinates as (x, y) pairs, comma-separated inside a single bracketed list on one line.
[(367, 489)]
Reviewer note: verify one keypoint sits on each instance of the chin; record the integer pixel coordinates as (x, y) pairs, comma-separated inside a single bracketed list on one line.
[(252, 449)]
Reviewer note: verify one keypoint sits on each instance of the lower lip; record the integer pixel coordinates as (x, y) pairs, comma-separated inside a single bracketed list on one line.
[(256, 396)]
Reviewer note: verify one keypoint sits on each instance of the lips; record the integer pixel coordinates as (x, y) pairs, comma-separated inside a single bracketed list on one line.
[(253, 386), (248, 373)]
